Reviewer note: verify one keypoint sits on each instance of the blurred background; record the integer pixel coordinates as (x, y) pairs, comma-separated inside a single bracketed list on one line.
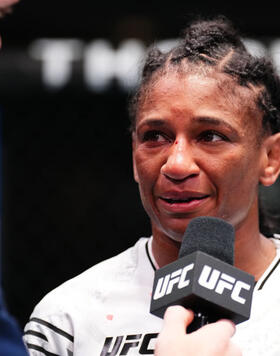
[(67, 70)]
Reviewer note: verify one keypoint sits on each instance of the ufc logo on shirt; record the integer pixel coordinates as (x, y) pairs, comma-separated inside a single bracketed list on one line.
[(125, 345)]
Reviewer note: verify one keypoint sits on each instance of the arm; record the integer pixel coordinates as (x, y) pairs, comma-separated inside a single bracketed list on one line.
[(10, 334), (210, 340), (49, 335)]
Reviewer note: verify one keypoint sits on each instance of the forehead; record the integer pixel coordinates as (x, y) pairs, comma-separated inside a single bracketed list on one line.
[(200, 95)]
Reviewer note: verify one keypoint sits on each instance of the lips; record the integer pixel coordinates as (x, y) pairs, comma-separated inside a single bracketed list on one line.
[(184, 196), (188, 200), (182, 201)]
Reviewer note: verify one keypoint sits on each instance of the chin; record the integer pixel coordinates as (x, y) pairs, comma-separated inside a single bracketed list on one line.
[(174, 233), (173, 229)]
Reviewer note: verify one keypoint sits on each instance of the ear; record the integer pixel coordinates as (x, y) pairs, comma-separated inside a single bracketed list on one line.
[(271, 160), (135, 173)]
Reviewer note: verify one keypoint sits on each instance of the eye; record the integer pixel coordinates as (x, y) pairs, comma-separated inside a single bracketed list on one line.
[(212, 136), (154, 136)]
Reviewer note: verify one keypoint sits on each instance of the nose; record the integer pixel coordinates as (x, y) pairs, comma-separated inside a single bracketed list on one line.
[(180, 163)]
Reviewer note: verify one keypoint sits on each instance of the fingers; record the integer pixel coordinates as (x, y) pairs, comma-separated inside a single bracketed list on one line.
[(211, 340), (176, 319), (234, 350), (218, 338), (225, 328)]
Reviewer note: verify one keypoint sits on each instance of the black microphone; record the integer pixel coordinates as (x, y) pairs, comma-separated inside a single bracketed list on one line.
[(203, 278)]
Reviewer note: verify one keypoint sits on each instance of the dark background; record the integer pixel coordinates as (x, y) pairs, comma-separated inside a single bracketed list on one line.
[(69, 199)]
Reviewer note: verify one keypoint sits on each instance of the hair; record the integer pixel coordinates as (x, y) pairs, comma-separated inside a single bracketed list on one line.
[(215, 44)]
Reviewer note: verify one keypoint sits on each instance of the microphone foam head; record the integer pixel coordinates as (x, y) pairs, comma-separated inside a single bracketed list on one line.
[(210, 235)]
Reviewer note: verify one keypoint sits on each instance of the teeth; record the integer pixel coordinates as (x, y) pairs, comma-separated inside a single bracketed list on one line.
[(173, 201)]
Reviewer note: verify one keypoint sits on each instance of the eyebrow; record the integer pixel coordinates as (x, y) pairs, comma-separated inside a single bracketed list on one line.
[(201, 119), (214, 121), (153, 122)]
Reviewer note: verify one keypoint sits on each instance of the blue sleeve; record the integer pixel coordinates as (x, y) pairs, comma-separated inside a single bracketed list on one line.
[(11, 343)]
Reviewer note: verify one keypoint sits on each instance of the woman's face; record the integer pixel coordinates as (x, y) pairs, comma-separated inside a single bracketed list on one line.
[(195, 152)]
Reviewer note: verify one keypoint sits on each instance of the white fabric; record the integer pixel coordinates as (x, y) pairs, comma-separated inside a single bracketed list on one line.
[(260, 334), (106, 310)]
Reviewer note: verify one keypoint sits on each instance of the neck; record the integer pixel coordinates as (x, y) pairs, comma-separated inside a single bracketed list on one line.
[(253, 251), (165, 250)]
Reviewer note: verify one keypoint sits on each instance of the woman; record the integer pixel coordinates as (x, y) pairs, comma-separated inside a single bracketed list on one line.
[(205, 129)]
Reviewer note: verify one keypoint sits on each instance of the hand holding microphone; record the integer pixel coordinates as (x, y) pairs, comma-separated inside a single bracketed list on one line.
[(210, 340)]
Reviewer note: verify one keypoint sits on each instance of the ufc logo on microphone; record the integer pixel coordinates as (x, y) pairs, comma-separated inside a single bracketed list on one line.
[(165, 284), (215, 280)]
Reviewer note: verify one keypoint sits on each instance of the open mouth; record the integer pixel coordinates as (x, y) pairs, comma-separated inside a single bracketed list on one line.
[(180, 201)]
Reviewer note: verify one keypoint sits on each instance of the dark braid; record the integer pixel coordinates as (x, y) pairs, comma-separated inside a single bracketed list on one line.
[(211, 38), (154, 61), (260, 73), (215, 43)]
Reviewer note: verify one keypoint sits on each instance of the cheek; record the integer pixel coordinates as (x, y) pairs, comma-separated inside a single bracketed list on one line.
[(147, 170), (235, 172), (237, 181)]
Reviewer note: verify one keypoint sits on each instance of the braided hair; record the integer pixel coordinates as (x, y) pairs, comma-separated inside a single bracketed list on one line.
[(215, 44)]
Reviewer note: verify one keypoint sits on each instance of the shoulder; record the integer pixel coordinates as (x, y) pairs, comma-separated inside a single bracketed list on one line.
[(96, 282), (270, 278), (65, 311)]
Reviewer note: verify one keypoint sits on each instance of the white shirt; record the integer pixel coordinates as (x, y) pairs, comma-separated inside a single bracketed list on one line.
[(105, 311)]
